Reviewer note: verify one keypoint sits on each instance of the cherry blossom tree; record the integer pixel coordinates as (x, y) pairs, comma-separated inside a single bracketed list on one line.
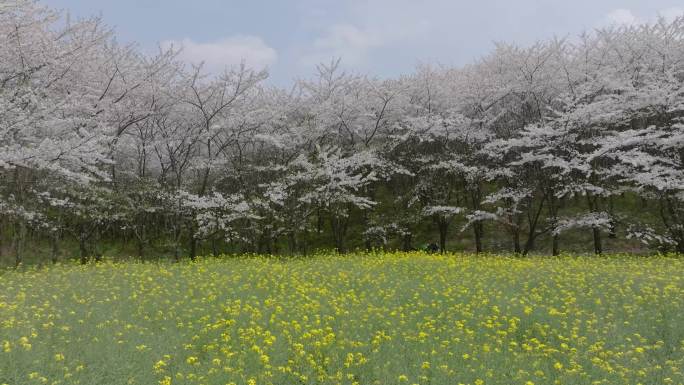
[(520, 150)]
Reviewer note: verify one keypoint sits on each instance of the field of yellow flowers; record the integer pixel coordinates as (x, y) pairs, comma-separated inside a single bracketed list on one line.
[(361, 319)]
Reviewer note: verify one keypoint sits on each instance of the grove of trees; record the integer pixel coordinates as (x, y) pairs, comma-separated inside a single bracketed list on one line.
[(566, 143)]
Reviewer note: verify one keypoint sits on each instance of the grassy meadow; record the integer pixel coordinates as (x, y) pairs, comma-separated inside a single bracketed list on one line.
[(394, 318)]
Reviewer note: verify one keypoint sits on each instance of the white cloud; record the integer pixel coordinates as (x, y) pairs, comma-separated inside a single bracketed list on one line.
[(343, 40), (622, 17), (354, 44), (670, 14), (226, 52)]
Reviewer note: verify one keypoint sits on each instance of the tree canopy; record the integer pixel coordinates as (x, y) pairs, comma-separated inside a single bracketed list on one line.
[(526, 145)]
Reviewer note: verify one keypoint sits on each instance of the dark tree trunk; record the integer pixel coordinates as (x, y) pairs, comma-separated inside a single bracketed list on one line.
[(176, 252), (612, 231), (553, 211), (529, 244), (533, 220), (368, 243), (443, 227), (140, 247), (680, 246), (338, 226), (406, 245), (19, 244), (478, 230), (140, 240), (597, 240), (555, 245), (177, 228), (83, 248), (266, 244), (193, 248), (214, 247), (671, 221), (593, 203), (319, 221), (292, 243), (478, 227), (516, 242), (303, 244), (54, 248)]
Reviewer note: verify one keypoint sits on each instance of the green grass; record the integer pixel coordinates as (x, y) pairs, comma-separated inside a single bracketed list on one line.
[(365, 319)]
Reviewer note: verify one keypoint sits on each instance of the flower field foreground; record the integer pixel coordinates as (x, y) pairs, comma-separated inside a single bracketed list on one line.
[(360, 319)]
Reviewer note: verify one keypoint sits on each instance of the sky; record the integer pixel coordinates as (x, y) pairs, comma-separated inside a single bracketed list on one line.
[(383, 38)]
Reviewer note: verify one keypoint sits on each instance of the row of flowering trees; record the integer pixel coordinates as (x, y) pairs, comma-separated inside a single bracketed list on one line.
[(101, 142)]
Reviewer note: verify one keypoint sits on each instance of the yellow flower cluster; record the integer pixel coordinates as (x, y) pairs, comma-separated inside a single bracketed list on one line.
[(367, 319)]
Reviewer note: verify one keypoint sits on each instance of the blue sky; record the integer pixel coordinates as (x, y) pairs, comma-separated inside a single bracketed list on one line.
[(380, 37)]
